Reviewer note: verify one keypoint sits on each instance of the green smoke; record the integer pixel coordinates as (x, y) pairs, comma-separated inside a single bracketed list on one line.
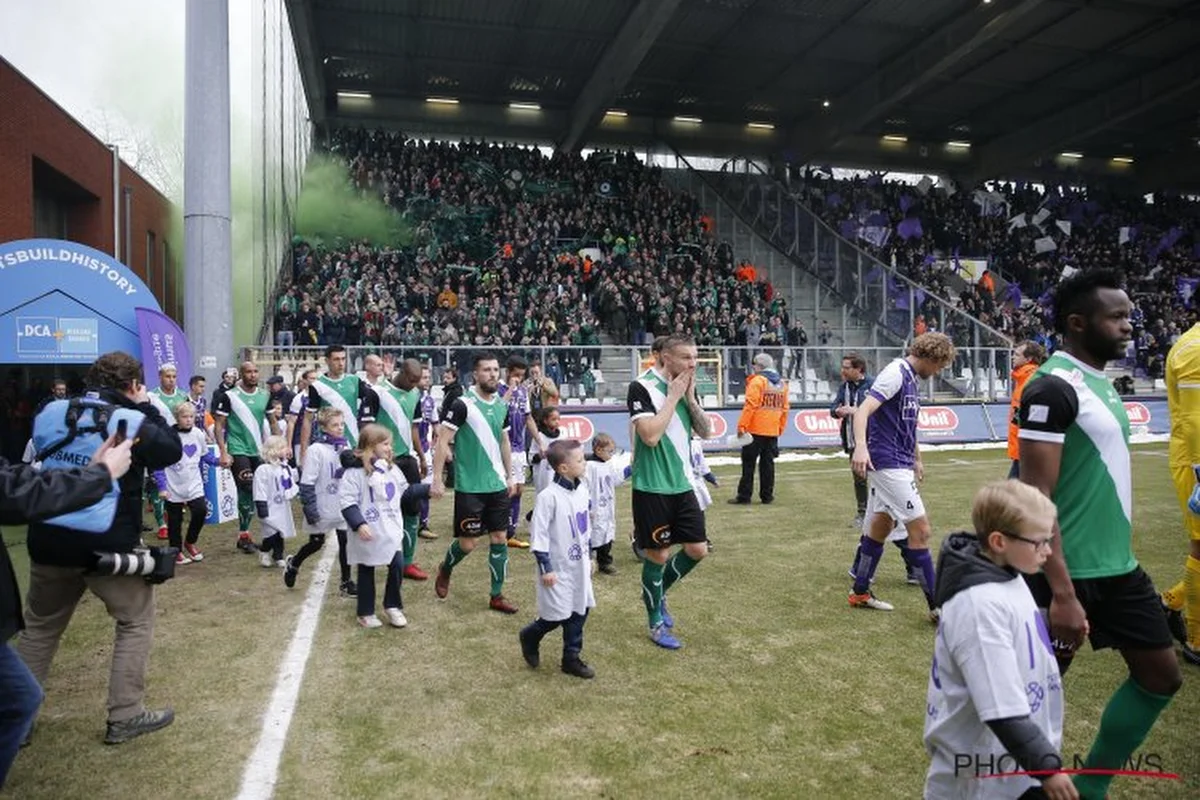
[(331, 210)]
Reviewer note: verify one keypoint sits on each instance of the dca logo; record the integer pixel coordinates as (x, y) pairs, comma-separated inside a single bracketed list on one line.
[(578, 428), (37, 335)]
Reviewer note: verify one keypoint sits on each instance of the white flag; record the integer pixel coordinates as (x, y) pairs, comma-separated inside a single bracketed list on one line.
[(1041, 216), (1016, 222), (1044, 245), (1068, 271), (1123, 236), (1064, 226), (924, 185), (950, 188)]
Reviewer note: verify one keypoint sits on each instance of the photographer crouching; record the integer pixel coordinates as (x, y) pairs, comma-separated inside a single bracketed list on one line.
[(98, 549)]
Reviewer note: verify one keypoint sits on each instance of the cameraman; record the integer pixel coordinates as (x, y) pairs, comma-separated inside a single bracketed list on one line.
[(61, 559), (24, 495)]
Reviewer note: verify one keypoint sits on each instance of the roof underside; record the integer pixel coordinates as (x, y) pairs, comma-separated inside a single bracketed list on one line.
[(1021, 80)]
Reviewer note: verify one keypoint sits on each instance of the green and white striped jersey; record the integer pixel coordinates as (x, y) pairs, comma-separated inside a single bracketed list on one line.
[(482, 427), (665, 468)]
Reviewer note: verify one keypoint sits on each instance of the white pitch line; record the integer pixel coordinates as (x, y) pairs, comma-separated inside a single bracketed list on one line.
[(262, 770)]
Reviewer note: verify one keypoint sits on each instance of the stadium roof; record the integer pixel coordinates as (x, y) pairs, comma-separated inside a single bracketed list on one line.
[(970, 87)]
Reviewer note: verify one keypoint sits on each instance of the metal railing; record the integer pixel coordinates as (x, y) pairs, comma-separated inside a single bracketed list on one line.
[(600, 375), (875, 289)]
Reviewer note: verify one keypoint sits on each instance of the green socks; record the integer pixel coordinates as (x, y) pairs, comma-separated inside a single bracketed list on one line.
[(410, 539), (498, 564), (1130, 714), (676, 567), (652, 590), (454, 555), (245, 508), (156, 503)]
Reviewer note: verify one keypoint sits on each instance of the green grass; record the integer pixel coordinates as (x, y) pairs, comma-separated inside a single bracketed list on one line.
[(781, 689)]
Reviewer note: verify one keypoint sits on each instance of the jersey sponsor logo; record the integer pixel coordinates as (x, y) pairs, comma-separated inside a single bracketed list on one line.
[(1138, 414), (576, 427), (817, 424), (937, 420), (717, 423)]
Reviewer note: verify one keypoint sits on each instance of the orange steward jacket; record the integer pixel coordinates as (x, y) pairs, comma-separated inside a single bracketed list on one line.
[(766, 408), (1020, 377)]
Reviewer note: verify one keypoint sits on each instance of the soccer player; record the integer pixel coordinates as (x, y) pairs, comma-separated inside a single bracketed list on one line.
[(521, 432), (886, 453), (348, 393), (295, 414), (166, 398), (1183, 405), (239, 417), (1074, 447), (398, 400), (664, 411), (477, 424), (196, 397)]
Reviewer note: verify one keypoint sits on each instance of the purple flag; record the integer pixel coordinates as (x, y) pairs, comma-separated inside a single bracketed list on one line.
[(919, 297), (910, 228), (902, 301), (849, 228), (1012, 294), (833, 200), (906, 202), (930, 260), (162, 343), (874, 274), (1169, 239), (877, 219)]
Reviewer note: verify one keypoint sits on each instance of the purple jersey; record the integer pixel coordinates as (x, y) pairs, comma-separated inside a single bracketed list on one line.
[(518, 412), (892, 429), (428, 418)]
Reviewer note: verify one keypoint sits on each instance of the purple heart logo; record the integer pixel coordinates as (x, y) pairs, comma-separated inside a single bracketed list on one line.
[(581, 522), (389, 491), (189, 450), (286, 482)]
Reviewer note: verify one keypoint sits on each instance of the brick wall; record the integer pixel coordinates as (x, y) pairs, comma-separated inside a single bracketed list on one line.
[(32, 126)]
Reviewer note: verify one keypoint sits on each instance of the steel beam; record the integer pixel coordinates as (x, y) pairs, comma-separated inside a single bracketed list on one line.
[(308, 54), (900, 78), (616, 66), (1072, 126)]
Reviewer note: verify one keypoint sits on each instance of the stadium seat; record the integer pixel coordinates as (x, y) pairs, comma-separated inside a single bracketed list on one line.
[(573, 401), (709, 401)]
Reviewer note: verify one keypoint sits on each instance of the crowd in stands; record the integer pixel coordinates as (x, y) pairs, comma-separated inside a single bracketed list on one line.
[(1029, 235), (515, 248)]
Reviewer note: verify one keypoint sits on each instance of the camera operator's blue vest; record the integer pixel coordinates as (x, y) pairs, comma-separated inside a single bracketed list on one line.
[(67, 433)]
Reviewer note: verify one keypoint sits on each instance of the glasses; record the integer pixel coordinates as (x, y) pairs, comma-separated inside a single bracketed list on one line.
[(1038, 544)]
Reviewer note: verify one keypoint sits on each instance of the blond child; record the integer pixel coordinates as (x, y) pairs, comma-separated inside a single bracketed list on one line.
[(320, 477), (182, 486), (604, 475), (560, 541), (995, 702), (275, 484), (370, 494)]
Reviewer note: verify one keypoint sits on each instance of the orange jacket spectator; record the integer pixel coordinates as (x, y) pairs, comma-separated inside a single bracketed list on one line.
[(766, 408), (747, 273), (987, 284), (1028, 356), (447, 298)]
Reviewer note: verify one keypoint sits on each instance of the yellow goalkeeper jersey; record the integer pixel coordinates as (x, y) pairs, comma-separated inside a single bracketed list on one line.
[(1183, 399)]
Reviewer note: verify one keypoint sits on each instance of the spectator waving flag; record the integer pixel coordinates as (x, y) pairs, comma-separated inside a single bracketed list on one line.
[(910, 229)]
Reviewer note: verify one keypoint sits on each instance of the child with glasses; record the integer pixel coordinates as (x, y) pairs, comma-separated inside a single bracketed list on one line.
[(995, 703)]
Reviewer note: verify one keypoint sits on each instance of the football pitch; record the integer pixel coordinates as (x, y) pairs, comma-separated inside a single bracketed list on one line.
[(781, 689)]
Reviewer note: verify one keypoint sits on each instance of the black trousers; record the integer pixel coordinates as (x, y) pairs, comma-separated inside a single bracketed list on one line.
[(199, 509), (391, 586), (572, 632), (761, 450)]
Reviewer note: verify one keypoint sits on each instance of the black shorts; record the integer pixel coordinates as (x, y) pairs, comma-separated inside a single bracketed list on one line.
[(661, 520), (243, 470), (1123, 611), (477, 514)]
